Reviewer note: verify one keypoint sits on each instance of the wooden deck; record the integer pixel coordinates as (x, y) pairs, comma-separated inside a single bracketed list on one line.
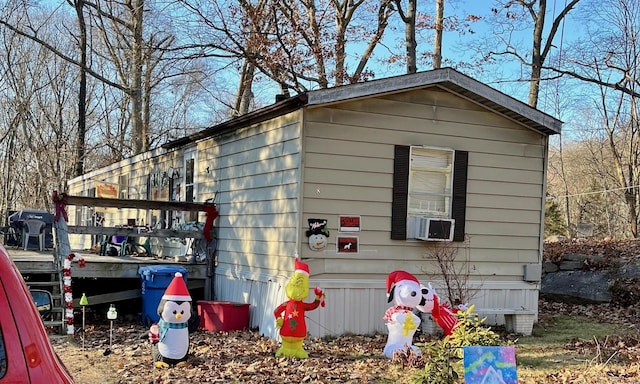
[(110, 267), (99, 268)]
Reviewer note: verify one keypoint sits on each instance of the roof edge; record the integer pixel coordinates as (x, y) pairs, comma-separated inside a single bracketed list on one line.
[(278, 109), (441, 77)]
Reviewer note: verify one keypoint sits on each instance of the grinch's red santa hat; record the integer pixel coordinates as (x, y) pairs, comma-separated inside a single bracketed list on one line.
[(177, 289), (301, 267), (397, 276)]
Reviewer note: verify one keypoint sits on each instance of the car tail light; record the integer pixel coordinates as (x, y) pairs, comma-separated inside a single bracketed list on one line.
[(32, 355)]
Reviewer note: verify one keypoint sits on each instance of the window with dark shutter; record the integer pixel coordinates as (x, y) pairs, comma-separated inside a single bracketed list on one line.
[(428, 183)]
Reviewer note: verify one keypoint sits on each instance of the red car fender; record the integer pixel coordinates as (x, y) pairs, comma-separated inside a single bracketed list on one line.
[(30, 356)]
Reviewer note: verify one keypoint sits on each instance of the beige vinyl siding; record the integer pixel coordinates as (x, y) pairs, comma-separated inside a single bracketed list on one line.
[(394, 133), (255, 172), (348, 159)]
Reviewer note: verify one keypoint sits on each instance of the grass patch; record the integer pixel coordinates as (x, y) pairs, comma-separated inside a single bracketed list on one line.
[(564, 343), (563, 328)]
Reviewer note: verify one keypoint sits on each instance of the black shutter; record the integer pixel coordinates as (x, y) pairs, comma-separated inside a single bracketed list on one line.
[(459, 203), (400, 192), (149, 187)]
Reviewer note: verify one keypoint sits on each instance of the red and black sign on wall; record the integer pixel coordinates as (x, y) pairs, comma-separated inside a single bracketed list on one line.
[(347, 244), (349, 223)]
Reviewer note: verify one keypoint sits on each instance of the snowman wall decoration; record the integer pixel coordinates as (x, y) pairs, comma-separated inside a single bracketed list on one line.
[(170, 337), (407, 294), (318, 234), (290, 314)]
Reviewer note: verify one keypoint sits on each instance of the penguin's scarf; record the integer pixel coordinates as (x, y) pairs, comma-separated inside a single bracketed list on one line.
[(164, 327)]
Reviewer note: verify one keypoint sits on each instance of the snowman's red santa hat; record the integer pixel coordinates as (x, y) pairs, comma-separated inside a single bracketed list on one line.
[(301, 267), (397, 276), (177, 289)]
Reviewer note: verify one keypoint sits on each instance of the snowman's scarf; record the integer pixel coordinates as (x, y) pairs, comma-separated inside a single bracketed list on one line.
[(163, 327)]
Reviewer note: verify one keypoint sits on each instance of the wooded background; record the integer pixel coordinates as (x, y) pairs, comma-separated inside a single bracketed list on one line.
[(87, 83)]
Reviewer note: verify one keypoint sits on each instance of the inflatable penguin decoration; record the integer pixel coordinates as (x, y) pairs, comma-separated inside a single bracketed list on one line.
[(170, 337)]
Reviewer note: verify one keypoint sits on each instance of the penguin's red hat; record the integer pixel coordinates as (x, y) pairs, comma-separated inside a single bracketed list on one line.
[(397, 276), (301, 267), (177, 289)]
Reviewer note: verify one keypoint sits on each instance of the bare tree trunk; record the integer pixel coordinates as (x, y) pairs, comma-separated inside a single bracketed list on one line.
[(437, 40), (631, 193), (9, 166), (409, 19), (245, 90), (82, 89), (344, 14), (537, 60), (384, 11), (566, 192), (139, 132), (540, 49), (624, 177)]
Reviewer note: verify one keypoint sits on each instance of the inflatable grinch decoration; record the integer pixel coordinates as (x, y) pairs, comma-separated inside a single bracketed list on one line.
[(290, 314), (170, 337)]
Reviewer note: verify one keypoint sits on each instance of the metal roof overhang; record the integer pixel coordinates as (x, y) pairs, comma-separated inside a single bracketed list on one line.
[(255, 117), (445, 78)]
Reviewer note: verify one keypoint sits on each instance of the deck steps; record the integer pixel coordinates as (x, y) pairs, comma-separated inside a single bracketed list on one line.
[(49, 280), (42, 283)]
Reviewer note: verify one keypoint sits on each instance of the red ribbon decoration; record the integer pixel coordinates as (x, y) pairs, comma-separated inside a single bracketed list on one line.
[(212, 213), (60, 206)]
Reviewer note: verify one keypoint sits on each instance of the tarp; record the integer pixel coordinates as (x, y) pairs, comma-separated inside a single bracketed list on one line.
[(17, 218), (28, 214)]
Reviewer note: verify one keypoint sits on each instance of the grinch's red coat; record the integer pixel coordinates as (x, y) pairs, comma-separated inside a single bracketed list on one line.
[(294, 324)]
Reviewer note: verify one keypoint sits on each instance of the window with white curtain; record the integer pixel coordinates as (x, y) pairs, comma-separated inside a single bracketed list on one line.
[(430, 182)]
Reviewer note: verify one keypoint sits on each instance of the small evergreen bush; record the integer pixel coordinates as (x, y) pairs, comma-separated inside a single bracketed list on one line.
[(443, 358)]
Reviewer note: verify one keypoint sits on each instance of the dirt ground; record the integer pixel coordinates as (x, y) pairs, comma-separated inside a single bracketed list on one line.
[(231, 357), (246, 357)]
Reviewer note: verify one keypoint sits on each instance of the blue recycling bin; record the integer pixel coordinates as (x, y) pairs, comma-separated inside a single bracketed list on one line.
[(155, 279)]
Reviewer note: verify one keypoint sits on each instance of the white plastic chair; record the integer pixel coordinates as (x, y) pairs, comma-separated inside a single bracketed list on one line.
[(33, 228)]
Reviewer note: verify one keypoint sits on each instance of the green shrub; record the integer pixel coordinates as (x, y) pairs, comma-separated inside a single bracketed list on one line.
[(443, 358)]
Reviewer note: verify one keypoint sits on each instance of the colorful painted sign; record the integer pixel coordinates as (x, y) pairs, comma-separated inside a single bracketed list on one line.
[(490, 365), (107, 190)]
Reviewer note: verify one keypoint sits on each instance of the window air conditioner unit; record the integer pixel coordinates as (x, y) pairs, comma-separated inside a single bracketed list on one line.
[(434, 229)]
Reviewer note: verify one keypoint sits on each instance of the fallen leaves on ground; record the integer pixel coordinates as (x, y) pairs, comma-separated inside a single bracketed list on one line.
[(247, 357), (609, 250), (225, 357)]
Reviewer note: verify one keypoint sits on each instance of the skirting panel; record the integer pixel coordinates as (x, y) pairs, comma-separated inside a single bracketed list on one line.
[(355, 307)]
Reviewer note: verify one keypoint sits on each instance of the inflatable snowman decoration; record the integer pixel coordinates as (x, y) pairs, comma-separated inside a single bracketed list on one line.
[(170, 337), (407, 294)]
